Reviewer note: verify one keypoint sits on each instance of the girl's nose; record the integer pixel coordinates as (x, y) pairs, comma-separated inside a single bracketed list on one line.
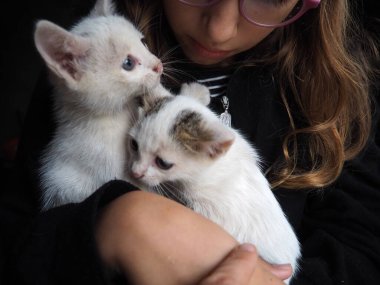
[(222, 21)]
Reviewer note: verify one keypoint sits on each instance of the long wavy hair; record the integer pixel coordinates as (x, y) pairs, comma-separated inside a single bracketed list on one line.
[(324, 59)]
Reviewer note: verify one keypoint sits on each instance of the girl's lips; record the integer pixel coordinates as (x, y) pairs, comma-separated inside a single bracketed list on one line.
[(205, 52)]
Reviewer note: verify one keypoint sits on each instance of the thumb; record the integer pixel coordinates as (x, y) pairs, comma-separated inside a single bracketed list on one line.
[(236, 268), (282, 271)]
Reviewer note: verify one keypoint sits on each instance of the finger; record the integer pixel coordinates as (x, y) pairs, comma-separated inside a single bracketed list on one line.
[(237, 268), (282, 271), (262, 276)]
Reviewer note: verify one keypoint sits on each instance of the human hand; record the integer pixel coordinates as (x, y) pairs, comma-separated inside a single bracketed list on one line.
[(244, 266)]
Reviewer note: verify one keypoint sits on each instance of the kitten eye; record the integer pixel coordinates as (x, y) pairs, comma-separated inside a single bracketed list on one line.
[(134, 145), (164, 165), (129, 63)]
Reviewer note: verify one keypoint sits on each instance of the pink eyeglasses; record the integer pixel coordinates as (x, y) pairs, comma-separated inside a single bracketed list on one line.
[(266, 13)]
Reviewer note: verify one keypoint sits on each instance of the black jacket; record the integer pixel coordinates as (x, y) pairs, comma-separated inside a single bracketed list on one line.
[(339, 227)]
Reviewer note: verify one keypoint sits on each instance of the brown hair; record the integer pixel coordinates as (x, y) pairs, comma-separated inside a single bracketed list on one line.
[(330, 83), (323, 60)]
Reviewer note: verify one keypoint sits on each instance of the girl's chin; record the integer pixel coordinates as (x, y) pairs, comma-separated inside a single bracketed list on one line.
[(202, 56), (204, 60)]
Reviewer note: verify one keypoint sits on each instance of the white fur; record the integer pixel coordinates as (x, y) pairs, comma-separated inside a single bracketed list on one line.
[(94, 104), (230, 189)]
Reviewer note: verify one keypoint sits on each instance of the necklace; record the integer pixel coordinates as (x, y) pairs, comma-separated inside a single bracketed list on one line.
[(216, 81), (225, 117)]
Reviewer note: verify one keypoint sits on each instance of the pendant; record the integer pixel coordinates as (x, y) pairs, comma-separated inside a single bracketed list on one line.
[(225, 117)]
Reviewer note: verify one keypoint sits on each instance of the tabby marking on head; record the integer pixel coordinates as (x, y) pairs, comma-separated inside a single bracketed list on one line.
[(189, 132), (153, 105)]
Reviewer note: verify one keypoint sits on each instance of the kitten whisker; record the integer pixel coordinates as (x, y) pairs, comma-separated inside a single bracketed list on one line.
[(163, 191), (148, 25), (173, 74), (137, 17), (157, 189), (143, 23), (172, 78), (174, 192), (177, 71), (168, 53), (175, 60)]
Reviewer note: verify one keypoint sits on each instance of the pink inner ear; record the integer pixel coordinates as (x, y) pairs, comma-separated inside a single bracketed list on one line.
[(218, 148), (61, 50), (68, 64), (73, 50)]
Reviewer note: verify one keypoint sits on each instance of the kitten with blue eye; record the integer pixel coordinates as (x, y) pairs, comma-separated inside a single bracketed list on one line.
[(181, 150), (97, 70)]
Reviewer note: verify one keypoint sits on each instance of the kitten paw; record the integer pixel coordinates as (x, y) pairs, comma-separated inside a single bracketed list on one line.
[(197, 91)]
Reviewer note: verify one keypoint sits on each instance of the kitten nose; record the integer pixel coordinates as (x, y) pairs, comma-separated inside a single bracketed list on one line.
[(158, 68), (137, 175)]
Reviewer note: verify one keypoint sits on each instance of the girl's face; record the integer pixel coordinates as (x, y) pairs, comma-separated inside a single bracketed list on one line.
[(212, 34)]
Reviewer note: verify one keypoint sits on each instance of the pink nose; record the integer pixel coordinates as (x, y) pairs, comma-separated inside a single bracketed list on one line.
[(158, 68), (137, 175)]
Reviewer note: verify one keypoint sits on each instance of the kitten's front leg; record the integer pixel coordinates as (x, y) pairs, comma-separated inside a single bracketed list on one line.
[(159, 91)]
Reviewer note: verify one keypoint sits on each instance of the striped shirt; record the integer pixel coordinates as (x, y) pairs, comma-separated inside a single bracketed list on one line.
[(216, 79), (217, 85)]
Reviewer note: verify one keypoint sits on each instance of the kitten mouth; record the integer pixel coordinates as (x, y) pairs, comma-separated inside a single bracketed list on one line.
[(152, 80)]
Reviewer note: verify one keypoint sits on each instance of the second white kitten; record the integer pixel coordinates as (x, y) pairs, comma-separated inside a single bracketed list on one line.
[(181, 150)]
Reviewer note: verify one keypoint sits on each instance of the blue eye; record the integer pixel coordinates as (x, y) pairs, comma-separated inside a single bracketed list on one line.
[(164, 165), (129, 63)]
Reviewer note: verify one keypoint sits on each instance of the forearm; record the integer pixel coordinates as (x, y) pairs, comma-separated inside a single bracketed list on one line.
[(157, 241)]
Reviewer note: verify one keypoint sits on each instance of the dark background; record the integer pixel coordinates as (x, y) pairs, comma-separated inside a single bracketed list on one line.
[(20, 65)]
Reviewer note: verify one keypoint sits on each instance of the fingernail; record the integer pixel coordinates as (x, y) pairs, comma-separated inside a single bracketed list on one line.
[(282, 267), (247, 247)]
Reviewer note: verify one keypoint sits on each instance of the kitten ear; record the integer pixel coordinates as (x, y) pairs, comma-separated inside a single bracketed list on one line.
[(212, 139), (222, 139), (151, 104), (103, 8), (61, 50), (197, 91)]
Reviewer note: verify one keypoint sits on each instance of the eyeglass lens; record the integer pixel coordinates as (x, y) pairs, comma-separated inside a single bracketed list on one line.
[(266, 12), (270, 12)]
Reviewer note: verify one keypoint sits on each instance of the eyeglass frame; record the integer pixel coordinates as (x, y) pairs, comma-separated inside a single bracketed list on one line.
[(306, 6)]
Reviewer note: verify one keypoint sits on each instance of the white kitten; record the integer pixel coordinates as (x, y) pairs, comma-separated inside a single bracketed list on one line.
[(181, 150), (98, 68)]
